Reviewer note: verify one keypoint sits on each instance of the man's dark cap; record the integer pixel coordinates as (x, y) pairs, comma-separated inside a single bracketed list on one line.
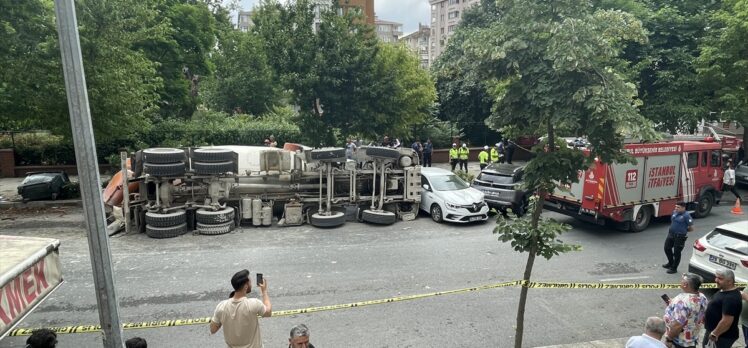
[(239, 279), (681, 203)]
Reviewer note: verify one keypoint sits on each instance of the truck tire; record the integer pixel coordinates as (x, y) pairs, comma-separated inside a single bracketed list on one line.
[(212, 155), (381, 217), (208, 168), (164, 169), (641, 220), (210, 217), (215, 229), (163, 155), (332, 154), (165, 232), (335, 219), (382, 152), (704, 205), (174, 218)]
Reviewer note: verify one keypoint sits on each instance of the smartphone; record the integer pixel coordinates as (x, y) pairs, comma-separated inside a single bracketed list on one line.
[(259, 279), (666, 298)]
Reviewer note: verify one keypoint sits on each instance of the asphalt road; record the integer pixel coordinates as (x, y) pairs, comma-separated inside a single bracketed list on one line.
[(187, 276)]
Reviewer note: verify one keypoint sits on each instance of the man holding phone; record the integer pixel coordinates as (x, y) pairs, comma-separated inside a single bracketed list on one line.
[(238, 315), (685, 312)]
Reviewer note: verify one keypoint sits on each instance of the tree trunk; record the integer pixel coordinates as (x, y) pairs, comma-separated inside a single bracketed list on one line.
[(533, 250)]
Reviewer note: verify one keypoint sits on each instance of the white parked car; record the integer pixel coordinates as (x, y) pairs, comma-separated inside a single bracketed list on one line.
[(724, 247), (448, 198)]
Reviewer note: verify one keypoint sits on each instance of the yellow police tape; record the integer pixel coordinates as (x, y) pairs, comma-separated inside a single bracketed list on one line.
[(206, 320)]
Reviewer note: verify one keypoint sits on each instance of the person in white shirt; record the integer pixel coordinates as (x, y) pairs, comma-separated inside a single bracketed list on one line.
[(652, 336), (728, 181)]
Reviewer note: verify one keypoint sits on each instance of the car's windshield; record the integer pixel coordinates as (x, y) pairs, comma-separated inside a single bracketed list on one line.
[(728, 240), (496, 178), (449, 182)]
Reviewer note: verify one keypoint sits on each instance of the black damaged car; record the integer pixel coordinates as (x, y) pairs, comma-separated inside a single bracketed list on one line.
[(502, 185)]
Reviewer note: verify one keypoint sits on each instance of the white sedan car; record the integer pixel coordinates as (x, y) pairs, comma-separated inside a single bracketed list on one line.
[(726, 247), (448, 198)]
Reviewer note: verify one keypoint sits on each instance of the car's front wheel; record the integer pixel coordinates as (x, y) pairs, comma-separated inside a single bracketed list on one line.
[(436, 213)]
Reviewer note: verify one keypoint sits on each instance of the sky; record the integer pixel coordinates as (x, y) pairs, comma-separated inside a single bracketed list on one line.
[(407, 12)]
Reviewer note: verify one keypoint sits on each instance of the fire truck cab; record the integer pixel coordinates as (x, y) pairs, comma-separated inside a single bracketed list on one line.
[(632, 194)]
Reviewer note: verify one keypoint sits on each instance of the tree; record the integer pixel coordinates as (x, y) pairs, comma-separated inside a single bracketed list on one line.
[(243, 79), (723, 63), (553, 70), (462, 94)]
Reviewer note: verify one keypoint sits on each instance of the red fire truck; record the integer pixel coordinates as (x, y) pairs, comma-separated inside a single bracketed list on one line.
[(632, 194)]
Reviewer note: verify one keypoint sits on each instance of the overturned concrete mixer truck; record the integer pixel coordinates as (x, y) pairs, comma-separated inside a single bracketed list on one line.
[(212, 190)]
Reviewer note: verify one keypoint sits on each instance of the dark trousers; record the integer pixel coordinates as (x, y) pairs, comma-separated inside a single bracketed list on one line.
[(427, 159), (732, 189), (453, 162), (721, 342), (483, 166), (673, 246), (509, 155), (463, 164)]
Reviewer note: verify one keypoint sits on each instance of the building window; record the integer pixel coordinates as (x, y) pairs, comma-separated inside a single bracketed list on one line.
[(454, 14), (693, 159), (442, 30), (451, 28), (454, 2), (442, 17), (442, 4), (433, 7)]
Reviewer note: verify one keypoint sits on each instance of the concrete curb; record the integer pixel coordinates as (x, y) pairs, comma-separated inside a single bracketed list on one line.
[(40, 204)]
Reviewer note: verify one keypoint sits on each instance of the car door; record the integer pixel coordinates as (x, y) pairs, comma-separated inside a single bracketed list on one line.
[(427, 196)]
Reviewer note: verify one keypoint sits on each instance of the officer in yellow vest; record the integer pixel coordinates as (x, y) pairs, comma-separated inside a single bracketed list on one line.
[(453, 156), (464, 155), (483, 158), (495, 154)]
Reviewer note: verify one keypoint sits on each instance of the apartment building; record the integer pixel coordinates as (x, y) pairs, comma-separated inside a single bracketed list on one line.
[(388, 31), (418, 42), (445, 15), (366, 7), (244, 21)]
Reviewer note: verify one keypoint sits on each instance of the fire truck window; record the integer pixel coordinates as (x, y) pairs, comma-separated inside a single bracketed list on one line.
[(693, 159), (704, 159), (715, 159)]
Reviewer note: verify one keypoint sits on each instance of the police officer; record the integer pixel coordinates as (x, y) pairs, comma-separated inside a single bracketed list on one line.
[(464, 155), (483, 158), (495, 154), (680, 224), (454, 156)]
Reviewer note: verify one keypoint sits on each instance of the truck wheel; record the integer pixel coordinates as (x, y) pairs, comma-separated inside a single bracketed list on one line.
[(165, 232), (165, 220), (642, 220), (164, 169), (207, 168), (333, 154), (382, 152), (212, 155), (215, 229), (209, 217), (705, 204), (163, 155), (335, 219), (381, 217), (436, 213)]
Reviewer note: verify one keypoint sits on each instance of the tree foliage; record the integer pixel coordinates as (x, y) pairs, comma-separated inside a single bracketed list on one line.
[(553, 68)]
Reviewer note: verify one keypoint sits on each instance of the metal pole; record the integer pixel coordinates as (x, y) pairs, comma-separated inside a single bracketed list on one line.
[(88, 172), (125, 191)]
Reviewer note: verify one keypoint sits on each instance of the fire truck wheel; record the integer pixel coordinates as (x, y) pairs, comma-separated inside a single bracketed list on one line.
[(382, 152), (381, 217), (436, 213), (205, 216), (212, 155), (165, 232), (642, 219), (335, 219), (332, 154), (174, 218), (163, 155), (215, 229), (207, 168), (164, 169), (705, 204)]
